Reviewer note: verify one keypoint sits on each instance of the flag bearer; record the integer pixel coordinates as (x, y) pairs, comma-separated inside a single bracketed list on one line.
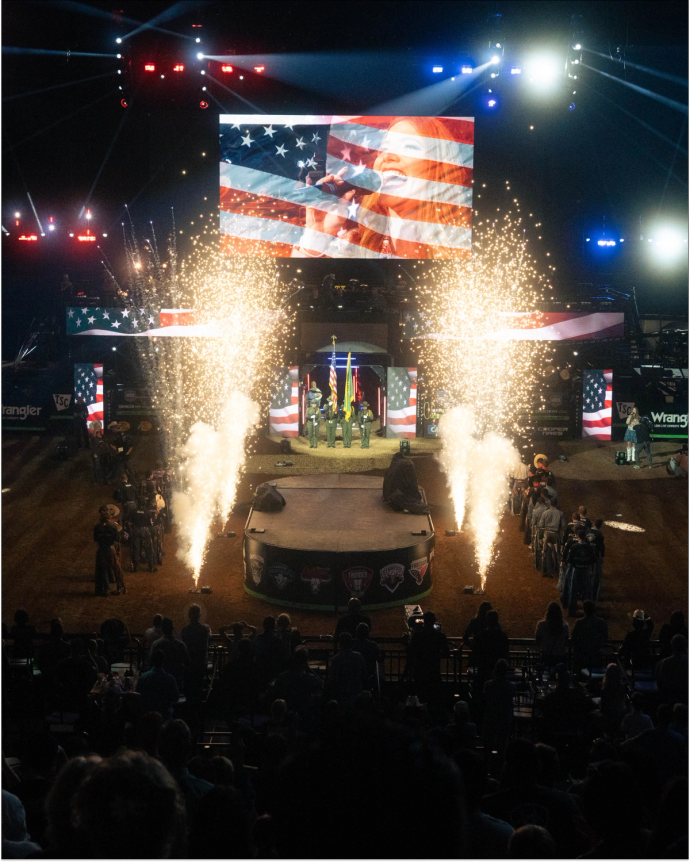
[(346, 425), (331, 416), (313, 418), (366, 417)]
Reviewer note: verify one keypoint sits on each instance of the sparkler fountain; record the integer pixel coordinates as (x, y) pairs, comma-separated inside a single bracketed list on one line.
[(488, 379)]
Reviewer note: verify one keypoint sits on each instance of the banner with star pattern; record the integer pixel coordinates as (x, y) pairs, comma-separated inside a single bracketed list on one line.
[(88, 384), (346, 186)]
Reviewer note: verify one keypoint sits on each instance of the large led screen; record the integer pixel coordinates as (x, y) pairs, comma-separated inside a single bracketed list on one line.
[(330, 186)]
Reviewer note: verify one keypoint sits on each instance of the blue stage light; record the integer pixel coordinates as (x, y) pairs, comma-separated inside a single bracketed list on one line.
[(492, 103), (437, 70), (572, 106), (515, 70), (608, 243), (466, 70)]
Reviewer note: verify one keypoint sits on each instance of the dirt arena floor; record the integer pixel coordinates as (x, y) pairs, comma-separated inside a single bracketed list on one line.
[(49, 508)]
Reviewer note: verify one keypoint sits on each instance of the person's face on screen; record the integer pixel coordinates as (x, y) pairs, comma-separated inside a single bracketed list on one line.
[(401, 151)]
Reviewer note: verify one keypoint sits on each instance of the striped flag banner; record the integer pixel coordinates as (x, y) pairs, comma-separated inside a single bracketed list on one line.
[(597, 395), (401, 420), (88, 384), (284, 409), (346, 186), (333, 380)]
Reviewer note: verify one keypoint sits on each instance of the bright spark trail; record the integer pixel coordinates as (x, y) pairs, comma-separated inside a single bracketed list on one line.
[(209, 390), (488, 379)]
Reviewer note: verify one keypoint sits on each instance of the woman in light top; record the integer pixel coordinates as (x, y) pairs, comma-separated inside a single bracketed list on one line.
[(630, 434)]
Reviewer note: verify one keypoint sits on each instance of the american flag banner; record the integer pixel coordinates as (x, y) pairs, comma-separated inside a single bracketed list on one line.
[(88, 384), (597, 395), (401, 420), (284, 410), (346, 186), (112, 321), (333, 380)]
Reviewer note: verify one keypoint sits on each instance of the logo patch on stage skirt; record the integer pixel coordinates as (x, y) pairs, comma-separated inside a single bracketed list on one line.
[(418, 569), (315, 575), (281, 574), (357, 580), (392, 576), (256, 565)]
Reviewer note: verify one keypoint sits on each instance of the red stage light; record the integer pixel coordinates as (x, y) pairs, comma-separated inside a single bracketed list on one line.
[(203, 104), (179, 67), (259, 69), (28, 238), (226, 68), (150, 67), (87, 237), (124, 103)]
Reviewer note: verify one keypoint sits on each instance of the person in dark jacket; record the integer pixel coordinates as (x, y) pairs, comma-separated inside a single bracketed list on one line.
[(490, 644), (644, 443)]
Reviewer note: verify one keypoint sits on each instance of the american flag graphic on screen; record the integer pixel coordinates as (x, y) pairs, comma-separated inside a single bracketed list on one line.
[(284, 410), (597, 395), (394, 187), (401, 417), (88, 384)]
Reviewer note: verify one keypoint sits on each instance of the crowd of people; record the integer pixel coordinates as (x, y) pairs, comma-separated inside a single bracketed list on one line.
[(275, 756)]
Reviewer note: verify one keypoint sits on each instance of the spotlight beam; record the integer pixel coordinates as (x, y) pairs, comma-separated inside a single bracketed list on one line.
[(177, 9), (63, 119), (233, 93), (57, 86), (673, 163), (8, 49), (38, 221), (636, 118), (665, 75), (670, 103), (105, 161), (83, 9)]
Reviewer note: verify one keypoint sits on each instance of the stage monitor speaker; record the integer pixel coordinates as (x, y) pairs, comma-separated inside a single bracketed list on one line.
[(405, 447), (285, 447)]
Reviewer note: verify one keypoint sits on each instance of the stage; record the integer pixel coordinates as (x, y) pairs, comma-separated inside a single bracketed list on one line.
[(336, 538)]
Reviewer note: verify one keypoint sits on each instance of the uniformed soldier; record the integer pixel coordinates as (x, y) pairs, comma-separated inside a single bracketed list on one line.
[(346, 425), (364, 419), (313, 420), (141, 545), (331, 416)]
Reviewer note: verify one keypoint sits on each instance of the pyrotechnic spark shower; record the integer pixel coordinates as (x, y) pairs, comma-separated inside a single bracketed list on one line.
[(209, 390), (488, 379)]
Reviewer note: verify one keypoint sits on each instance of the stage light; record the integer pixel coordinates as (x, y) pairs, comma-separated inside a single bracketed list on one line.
[(162, 76), (260, 69), (437, 70), (197, 40), (200, 56), (668, 244), (105, 234), (515, 70), (466, 70), (495, 59), (119, 56), (203, 104), (149, 67), (572, 106), (51, 227), (71, 234), (203, 88), (17, 215), (543, 71), (28, 237), (202, 72), (137, 265), (118, 40), (494, 74), (577, 47), (178, 67), (119, 71), (225, 68), (574, 62), (498, 44), (241, 77), (114, 348), (124, 103), (88, 214), (491, 103), (606, 242)]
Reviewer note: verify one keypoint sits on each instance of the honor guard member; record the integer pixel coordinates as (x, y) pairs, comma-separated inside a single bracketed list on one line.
[(156, 529), (365, 418), (346, 425), (116, 575), (125, 495), (141, 547), (331, 417), (164, 482), (313, 419), (314, 394)]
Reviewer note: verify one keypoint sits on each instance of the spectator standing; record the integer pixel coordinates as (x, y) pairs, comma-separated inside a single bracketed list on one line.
[(268, 651), (589, 636), (299, 687), (52, 651), (76, 675), (175, 652), (635, 647), (632, 421), (676, 626), (551, 636), (636, 721), (614, 699), (487, 837), (369, 650), (288, 637), (154, 631), (231, 642), (351, 620), (22, 634), (498, 693), (158, 688), (490, 644), (196, 635), (174, 747), (476, 624), (672, 672), (347, 672), (462, 730), (427, 647)]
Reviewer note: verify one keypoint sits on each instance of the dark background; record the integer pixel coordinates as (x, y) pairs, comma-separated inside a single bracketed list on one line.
[(575, 169)]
